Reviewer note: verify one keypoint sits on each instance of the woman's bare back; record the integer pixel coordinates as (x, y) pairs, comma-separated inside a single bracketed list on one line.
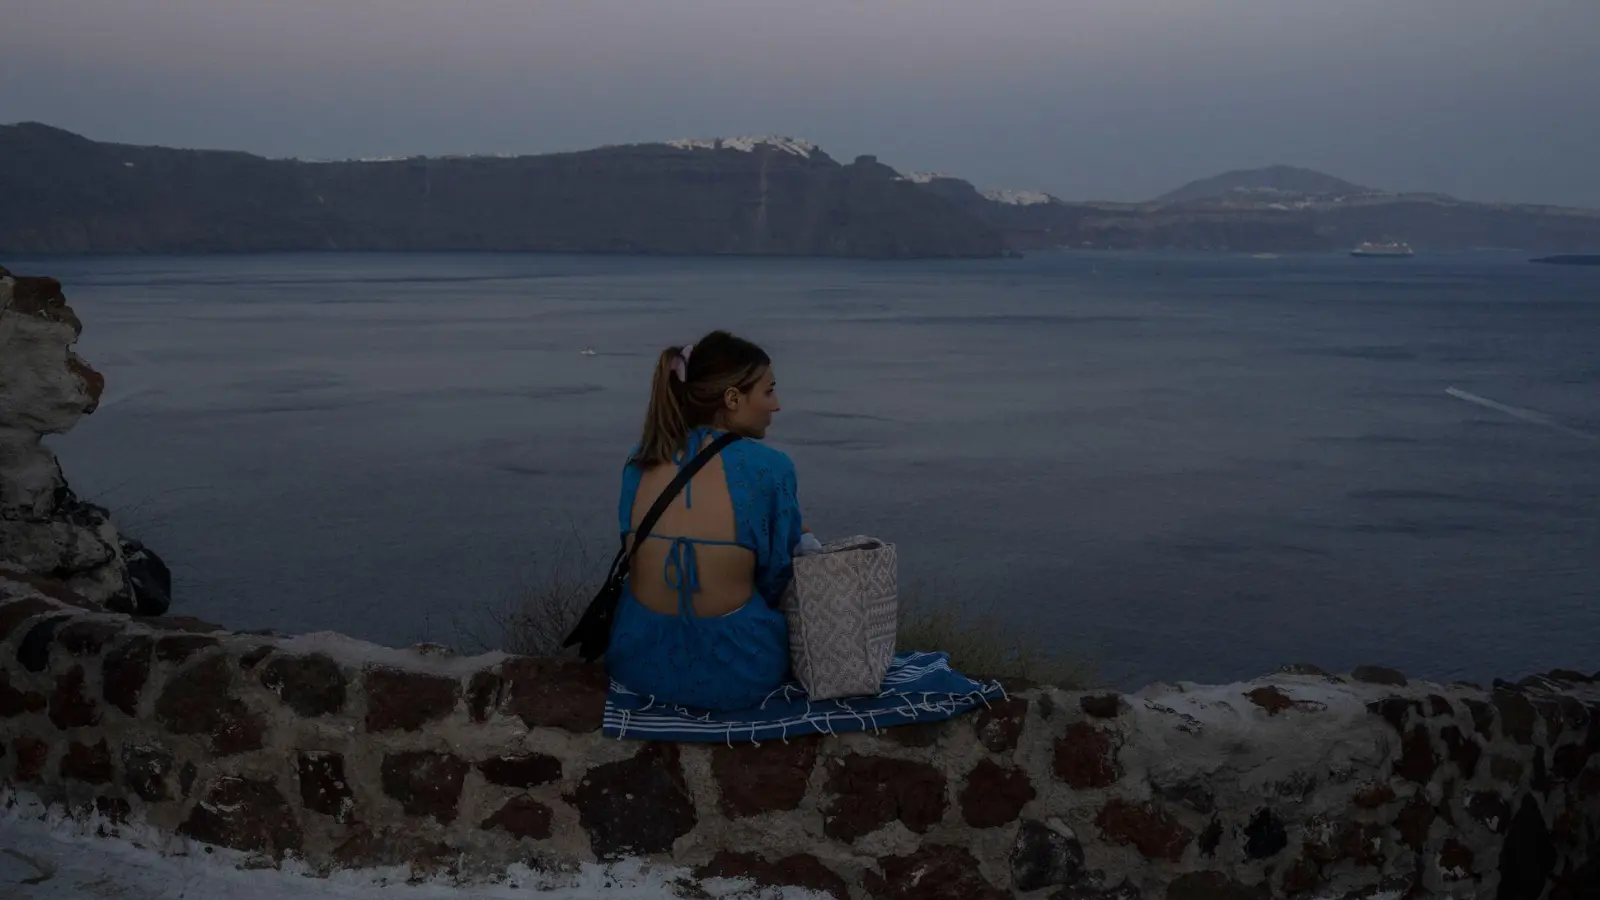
[(726, 571)]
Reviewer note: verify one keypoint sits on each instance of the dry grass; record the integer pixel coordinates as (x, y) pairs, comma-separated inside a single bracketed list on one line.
[(983, 648), (536, 617)]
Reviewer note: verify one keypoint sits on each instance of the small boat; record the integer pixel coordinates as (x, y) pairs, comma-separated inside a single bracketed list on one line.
[(1383, 249), (589, 351)]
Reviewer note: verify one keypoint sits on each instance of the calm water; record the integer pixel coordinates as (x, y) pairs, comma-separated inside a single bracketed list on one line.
[(1180, 467)]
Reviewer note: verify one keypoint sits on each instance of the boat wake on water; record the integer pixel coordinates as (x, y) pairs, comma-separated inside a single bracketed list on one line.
[(1526, 415)]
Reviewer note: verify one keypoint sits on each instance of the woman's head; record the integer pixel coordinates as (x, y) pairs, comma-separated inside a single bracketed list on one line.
[(719, 380)]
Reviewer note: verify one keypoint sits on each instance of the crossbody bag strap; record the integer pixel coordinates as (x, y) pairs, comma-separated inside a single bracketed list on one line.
[(673, 489)]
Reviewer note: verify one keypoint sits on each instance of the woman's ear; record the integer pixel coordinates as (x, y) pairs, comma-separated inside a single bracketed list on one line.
[(730, 399)]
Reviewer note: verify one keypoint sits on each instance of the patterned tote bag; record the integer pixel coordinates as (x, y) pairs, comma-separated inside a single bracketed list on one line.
[(842, 607)]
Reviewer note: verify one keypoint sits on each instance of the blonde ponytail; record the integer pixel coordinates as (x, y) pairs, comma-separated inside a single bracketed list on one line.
[(688, 393)]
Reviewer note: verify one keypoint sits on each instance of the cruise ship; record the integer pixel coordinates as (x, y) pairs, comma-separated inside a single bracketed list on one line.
[(1383, 248)]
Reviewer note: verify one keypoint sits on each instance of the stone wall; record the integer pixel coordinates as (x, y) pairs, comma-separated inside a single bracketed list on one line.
[(339, 754)]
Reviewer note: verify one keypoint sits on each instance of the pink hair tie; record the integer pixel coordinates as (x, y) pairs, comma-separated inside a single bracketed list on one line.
[(680, 365)]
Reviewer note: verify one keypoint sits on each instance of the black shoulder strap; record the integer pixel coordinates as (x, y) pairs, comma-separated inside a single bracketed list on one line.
[(592, 634), (672, 491)]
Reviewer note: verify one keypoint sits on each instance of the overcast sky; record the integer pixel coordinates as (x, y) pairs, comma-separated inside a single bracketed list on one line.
[(1106, 99)]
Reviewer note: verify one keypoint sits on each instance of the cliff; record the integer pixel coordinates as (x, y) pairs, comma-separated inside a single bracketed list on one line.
[(1277, 210), (45, 529), (62, 193), (322, 755), (1270, 180)]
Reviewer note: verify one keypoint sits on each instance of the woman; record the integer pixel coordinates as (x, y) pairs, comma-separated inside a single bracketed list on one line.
[(698, 623)]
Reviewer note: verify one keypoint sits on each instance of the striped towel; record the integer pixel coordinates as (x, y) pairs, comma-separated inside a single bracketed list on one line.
[(919, 687)]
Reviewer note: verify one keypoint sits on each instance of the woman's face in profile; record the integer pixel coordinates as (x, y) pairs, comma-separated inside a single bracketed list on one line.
[(750, 413)]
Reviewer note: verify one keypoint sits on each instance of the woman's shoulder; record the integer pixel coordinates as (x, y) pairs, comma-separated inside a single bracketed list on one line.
[(761, 456)]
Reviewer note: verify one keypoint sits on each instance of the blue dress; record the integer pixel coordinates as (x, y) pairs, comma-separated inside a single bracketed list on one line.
[(728, 662)]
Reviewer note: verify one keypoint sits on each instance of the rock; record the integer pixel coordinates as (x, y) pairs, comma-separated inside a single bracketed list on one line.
[(32, 755), (1146, 826), (312, 685), (867, 793), (1214, 886), (45, 388), (148, 577), (244, 814), (918, 735), (323, 787), (366, 848), (1211, 838), (1414, 823), (526, 771), (771, 777), (932, 873), (1527, 856), (800, 870), (17, 612), (1517, 716), (1327, 842), (425, 783), (405, 701), (1379, 675), (1463, 750), (999, 726), (15, 702), (1482, 718), (555, 693), (113, 809), (483, 694), (198, 700), (1302, 877), (1490, 810), (33, 651), (522, 817), (145, 771), (1454, 861), (1272, 699), (1417, 760), (1126, 890), (1394, 710), (1045, 855), (89, 763), (1506, 770), (1265, 836), (1374, 796), (175, 648), (1086, 757), (994, 795), (88, 637), (69, 706), (1193, 794), (252, 658), (124, 672), (609, 798), (1101, 706)]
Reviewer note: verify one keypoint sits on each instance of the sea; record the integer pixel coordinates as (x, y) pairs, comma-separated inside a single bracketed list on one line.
[(1194, 467)]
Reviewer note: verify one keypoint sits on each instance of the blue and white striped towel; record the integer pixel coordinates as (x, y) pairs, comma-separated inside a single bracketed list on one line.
[(919, 687)]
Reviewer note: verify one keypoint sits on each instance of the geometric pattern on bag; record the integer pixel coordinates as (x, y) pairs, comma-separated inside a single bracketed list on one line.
[(842, 606)]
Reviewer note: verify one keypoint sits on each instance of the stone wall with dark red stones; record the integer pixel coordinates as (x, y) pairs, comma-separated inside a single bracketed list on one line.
[(341, 754)]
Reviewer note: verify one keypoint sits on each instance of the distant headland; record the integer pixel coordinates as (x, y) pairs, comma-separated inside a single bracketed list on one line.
[(68, 194)]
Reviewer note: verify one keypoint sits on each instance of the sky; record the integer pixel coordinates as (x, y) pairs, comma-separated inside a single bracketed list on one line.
[(1086, 99)]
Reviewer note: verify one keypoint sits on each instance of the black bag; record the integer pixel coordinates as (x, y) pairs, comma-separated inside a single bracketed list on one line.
[(593, 632)]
